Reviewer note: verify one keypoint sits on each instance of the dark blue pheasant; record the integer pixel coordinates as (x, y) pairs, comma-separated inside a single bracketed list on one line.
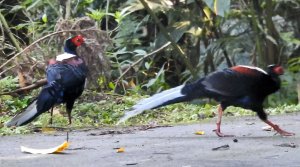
[(240, 86), (65, 83)]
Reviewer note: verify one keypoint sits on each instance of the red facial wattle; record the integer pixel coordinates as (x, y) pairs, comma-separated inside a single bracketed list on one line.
[(77, 40), (278, 70)]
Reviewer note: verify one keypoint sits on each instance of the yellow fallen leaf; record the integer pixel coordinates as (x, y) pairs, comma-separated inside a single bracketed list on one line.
[(48, 130), (200, 133), (120, 150), (57, 149)]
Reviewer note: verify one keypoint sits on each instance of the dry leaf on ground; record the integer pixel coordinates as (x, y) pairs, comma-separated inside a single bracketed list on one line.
[(57, 149)]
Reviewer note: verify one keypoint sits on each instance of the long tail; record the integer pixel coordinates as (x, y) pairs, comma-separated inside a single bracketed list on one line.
[(175, 95), (43, 103), (24, 117)]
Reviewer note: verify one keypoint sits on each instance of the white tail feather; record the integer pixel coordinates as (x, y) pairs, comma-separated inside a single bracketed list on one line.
[(152, 102), (24, 116)]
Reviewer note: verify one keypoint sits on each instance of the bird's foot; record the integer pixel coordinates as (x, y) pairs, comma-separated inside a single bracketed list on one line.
[(220, 134), (283, 132), (287, 134)]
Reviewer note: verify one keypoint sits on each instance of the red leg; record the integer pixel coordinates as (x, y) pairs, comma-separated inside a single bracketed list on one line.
[(280, 131), (218, 130)]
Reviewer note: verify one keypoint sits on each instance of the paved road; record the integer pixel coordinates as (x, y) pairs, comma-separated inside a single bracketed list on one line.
[(175, 146)]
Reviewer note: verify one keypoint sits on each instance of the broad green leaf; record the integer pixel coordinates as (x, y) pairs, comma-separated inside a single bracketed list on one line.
[(207, 12), (196, 31), (150, 82), (157, 77), (147, 65), (118, 16), (140, 52), (176, 31), (45, 18), (111, 85), (294, 64), (96, 14), (288, 37)]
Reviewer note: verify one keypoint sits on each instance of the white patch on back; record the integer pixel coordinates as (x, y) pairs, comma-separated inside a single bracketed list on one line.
[(64, 56)]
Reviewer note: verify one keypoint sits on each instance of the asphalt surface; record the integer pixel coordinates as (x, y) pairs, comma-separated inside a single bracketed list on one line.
[(175, 146)]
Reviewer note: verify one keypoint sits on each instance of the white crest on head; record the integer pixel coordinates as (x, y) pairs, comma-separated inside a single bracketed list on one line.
[(254, 68), (64, 56)]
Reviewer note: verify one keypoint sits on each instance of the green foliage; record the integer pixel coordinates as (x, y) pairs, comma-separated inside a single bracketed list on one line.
[(127, 35), (294, 64), (283, 109), (14, 104), (204, 31), (118, 16), (9, 131), (288, 37), (158, 83), (100, 113), (97, 15), (8, 83), (9, 103)]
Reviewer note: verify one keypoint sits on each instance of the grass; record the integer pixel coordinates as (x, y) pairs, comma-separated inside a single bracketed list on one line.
[(106, 111)]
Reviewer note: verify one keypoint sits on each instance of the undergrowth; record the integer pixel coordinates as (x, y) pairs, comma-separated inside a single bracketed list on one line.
[(106, 111)]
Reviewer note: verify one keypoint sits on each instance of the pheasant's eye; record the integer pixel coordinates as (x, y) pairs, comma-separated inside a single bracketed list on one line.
[(79, 40)]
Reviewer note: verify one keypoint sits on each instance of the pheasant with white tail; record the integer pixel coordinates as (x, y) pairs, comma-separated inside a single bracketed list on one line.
[(240, 86)]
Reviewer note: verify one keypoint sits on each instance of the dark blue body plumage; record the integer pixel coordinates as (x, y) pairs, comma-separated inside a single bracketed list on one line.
[(65, 83)]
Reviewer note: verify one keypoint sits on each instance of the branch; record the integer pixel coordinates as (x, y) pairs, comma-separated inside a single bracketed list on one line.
[(68, 9), (39, 40), (10, 34), (106, 17), (138, 61), (169, 38), (258, 48), (35, 85), (1, 73)]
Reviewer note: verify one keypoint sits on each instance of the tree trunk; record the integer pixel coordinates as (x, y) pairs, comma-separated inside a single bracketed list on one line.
[(272, 47)]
